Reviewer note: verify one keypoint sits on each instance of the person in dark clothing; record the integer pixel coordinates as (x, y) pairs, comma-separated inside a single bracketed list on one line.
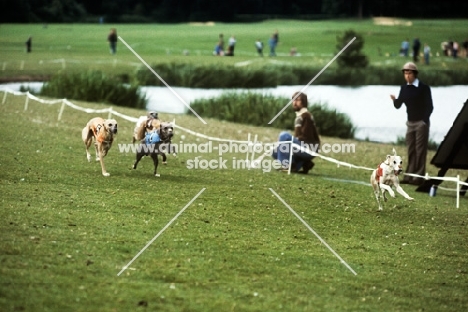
[(417, 97), (416, 48), (29, 44), (305, 134), (112, 38)]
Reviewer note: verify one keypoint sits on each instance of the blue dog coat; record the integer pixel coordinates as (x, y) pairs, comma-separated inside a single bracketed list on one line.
[(152, 138)]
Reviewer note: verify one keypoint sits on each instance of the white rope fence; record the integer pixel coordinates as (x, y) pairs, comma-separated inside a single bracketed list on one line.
[(254, 162)]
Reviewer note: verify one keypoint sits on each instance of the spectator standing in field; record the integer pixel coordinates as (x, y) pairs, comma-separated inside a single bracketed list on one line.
[(465, 47), (28, 44), (427, 53), (417, 97), (416, 48), (305, 134), (259, 47), (272, 44), (405, 48), (276, 36), (455, 48), (112, 38)]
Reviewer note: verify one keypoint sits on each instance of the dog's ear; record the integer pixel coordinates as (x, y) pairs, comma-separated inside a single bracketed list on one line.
[(394, 152), (387, 161)]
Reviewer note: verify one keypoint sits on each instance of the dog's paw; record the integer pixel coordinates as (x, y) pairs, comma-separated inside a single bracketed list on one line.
[(174, 154), (97, 158), (410, 198), (164, 162), (88, 157), (106, 174), (157, 175)]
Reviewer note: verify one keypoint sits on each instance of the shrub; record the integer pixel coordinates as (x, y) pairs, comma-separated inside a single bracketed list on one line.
[(93, 86), (351, 57), (257, 110)]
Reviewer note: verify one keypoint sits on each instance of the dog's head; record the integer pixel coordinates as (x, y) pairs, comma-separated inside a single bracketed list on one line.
[(395, 162), (111, 125), (166, 131)]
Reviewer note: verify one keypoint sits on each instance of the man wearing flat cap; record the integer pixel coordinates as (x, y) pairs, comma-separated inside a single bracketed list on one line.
[(417, 97)]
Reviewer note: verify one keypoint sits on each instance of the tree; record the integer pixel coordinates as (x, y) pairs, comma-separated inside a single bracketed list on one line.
[(351, 57)]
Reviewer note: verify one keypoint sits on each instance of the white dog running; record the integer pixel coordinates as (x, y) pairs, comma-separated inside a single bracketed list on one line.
[(385, 176)]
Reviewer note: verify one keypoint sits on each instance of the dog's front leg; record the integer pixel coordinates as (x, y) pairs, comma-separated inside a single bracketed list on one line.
[(402, 192), (101, 154), (155, 162), (387, 188)]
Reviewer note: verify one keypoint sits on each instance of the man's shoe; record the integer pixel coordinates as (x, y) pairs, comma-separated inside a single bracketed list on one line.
[(307, 166)]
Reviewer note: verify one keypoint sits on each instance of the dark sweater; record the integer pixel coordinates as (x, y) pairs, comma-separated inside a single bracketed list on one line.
[(418, 101), (305, 129)]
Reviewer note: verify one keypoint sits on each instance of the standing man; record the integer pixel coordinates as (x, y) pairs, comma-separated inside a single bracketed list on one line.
[(405, 48), (416, 48), (112, 38), (29, 44), (418, 100), (427, 53), (259, 47), (305, 135)]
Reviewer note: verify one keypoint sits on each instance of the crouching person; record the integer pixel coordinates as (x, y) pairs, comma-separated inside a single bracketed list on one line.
[(305, 135)]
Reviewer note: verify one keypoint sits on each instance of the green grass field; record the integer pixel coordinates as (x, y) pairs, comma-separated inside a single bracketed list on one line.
[(75, 47), (67, 231)]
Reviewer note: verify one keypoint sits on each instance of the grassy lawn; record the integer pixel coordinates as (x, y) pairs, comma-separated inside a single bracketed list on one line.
[(67, 231), (75, 47)]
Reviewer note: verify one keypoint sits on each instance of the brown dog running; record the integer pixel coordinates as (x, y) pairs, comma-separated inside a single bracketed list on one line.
[(165, 133), (102, 132)]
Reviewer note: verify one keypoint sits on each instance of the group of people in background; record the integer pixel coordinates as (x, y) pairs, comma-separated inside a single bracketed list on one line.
[(219, 49), (452, 48), (449, 48)]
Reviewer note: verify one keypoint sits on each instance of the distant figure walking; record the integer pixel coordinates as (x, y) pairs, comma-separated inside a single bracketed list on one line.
[(28, 44), (272, 44), (455, 48), (112, 38), (416, 48), (404, 48), (259, 47), (427, 53)]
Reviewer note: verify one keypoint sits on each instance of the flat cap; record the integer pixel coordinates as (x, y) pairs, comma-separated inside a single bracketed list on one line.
[(410, 66)]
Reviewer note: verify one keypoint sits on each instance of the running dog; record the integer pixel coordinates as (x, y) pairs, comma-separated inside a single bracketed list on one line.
[(156, 142), (386, 176), (144, 125), (102, 133)]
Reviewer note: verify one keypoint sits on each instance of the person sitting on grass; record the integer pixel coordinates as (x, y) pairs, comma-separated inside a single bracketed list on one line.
[(305, 134)]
